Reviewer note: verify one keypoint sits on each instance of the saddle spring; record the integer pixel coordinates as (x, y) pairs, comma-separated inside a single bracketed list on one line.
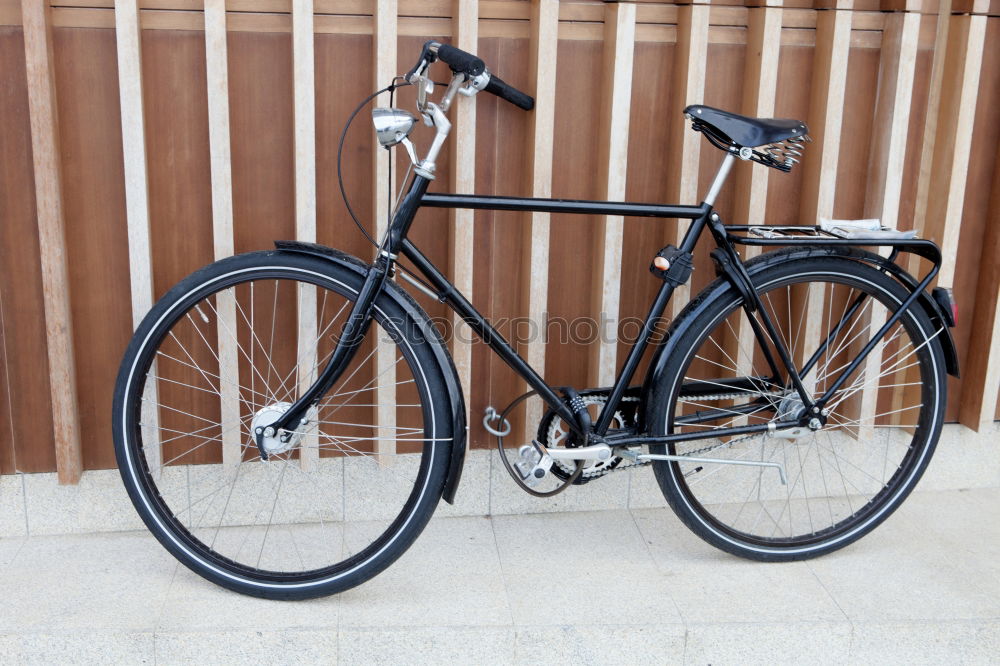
[(784, 154)]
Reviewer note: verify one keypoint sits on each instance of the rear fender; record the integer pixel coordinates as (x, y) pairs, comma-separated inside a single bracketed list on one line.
[(721, 285), (427, 329)]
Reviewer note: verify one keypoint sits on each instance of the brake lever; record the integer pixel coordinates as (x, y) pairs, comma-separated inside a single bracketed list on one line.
[(454, 87), (425, 88), (428, 55)]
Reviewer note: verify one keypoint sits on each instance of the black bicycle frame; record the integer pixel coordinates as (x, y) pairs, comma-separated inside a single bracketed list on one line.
[(698, 214), (396, 243)]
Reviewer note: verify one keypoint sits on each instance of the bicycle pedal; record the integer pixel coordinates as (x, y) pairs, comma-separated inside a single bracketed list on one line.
[(532, 465)]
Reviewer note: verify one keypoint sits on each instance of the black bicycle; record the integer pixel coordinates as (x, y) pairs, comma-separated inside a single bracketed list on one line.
[(286, 421)]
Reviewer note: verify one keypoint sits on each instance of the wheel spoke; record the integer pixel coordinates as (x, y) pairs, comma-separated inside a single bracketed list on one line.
[(835, 480), (264, 514)]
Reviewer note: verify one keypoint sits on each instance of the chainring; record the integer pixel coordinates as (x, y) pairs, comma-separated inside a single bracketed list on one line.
[(552, 431)]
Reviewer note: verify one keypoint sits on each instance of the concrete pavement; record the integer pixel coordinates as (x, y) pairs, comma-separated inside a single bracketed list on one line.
[(622, 586)]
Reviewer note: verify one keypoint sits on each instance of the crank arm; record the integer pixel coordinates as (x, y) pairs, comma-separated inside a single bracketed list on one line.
[(592, 452)]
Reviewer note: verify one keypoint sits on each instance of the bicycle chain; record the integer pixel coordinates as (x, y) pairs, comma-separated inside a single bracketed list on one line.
[(711, 447)]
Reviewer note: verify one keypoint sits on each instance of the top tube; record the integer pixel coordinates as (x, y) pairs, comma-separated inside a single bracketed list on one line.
[(574, 206)]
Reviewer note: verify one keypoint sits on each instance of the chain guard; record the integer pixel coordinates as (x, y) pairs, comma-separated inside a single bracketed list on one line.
[(552, 432)]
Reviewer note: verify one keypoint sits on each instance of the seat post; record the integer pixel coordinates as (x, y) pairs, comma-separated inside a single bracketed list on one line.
[(720, 178)]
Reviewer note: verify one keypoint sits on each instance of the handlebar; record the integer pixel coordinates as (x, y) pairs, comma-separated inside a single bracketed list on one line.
[(460, 61), (474, 69), (503, 90)]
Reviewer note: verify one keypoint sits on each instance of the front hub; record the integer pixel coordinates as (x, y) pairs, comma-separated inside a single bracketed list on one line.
[(273, 441)]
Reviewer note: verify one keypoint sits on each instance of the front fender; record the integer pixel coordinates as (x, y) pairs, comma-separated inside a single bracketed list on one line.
[(423, 322), (755, 266)]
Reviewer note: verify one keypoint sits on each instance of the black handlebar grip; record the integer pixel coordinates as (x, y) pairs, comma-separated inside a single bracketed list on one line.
[(460, 61), (498, 87)]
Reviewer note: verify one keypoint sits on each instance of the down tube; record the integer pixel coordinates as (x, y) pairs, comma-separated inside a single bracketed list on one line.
[(457, 302)]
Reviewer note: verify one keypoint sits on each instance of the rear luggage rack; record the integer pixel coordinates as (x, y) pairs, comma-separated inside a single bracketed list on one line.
[(834, 232), (836, 229)]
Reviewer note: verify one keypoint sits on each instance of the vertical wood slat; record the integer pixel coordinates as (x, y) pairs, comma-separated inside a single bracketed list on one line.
[(760, 89), (689, 88), (946, 197), (931, 118), (944, 163), (463, 181), (612, 161), (384, 48), (128, 39), (953, 138), (760, 76), (535, 260), (982, 366), (927, 154), (217, 78), (129, 52), (826, 107), (900, 39), (886, 161), (304, 87), (37, 31)]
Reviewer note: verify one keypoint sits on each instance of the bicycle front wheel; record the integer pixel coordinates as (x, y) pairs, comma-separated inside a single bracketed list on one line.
[(230, 348), (843, 479)]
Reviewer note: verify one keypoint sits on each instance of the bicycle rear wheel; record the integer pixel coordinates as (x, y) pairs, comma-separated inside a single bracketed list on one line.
[(843, 479), (231, 347)]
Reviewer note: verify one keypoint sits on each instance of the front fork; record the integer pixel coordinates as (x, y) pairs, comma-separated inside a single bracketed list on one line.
[(358, 322)]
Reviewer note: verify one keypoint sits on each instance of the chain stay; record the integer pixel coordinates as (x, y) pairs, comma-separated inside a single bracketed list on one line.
[(712, 447)]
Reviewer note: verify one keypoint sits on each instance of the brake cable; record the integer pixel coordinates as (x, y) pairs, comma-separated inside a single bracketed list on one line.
[(391, 89)]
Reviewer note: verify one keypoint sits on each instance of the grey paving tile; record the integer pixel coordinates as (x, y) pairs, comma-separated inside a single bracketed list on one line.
[(77, 647), (768, 644), (967, 521), (712, 586), (450, 576), (98, 503), (644, 492), (410, 646), (473, 498), (572, 568), (12, 511), (929, 643), (622, 643), (377, 491), (237, 646), (9, 547), (195, 604), (935, 559), (964, 459), (306, 497), (111, 581)]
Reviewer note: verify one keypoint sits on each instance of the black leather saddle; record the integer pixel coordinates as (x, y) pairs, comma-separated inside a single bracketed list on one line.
[(742, 130)]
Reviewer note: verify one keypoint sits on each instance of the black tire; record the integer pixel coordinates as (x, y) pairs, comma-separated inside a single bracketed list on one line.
[(875, 445), (336, 506)]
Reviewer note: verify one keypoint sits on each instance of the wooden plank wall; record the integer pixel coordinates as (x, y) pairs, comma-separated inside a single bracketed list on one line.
[(144, 138)]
